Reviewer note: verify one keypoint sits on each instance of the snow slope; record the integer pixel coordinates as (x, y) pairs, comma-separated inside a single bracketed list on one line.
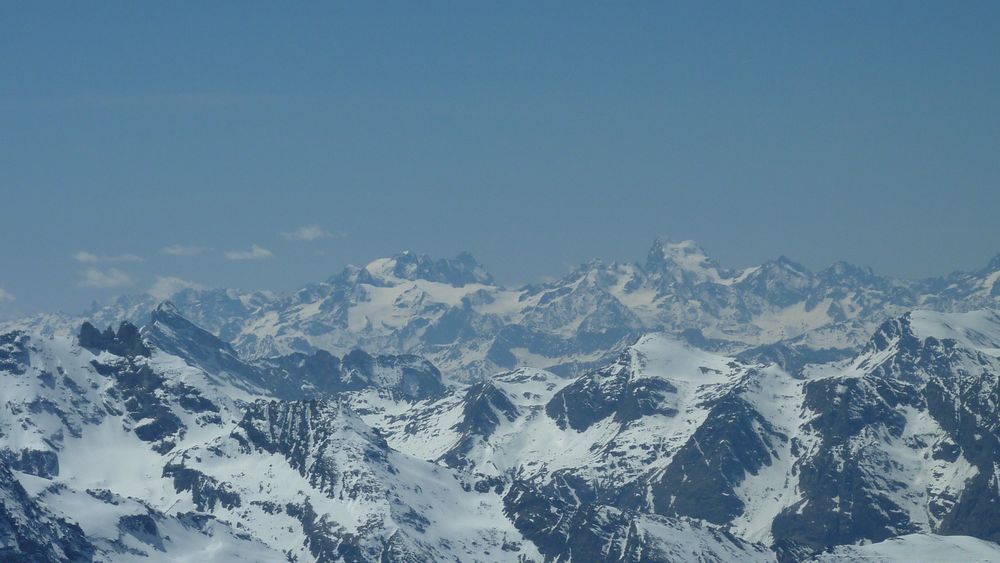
[(918, 548)]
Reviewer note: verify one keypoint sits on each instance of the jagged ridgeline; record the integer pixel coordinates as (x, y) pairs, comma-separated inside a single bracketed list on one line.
[(403, 412), (453, 313)]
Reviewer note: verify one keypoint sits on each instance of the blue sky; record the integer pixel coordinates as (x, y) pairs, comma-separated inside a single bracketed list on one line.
[(534, 136)]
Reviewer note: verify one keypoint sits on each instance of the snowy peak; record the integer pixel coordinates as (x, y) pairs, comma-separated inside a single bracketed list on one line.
[(172, 330), (781, 280), (991, 277), (683, 261), (165, 311), (166, 318), (974, 331), (172, 333), (647, 379), (911, 423), (485, 407), (458, 271)]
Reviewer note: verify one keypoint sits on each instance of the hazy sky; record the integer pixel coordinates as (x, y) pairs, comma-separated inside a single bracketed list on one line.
[(145, 140)]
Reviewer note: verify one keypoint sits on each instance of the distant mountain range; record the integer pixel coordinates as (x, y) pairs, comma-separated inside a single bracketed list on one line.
[(413, 410), (452, 312)]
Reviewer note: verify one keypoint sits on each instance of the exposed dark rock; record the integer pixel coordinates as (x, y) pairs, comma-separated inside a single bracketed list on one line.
[(41, 463), (700, 481), (792, 358), (610, 391), (138, 386), (127, 342), (30, 534), (205, 491), (14, 355), (483, 407)]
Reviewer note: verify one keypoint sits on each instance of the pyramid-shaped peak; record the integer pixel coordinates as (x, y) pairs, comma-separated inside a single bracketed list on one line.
[(166, 308), (683, 257)]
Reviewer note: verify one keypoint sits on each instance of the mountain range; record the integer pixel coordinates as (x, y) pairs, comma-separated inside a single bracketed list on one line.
[(451, 311), (415, 410)]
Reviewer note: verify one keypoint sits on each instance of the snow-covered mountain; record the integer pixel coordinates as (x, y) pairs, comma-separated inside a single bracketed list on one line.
[(165, 443), (99, 428), (898, 439), (415, 410), (451, 312)]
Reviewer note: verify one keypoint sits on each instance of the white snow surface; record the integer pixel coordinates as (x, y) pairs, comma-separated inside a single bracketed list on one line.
[(917, 548), (974, 330)]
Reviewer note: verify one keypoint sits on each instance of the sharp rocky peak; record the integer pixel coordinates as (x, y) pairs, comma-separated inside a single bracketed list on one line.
[(889, 333), (126, 342), (167, 319), (165, 311)]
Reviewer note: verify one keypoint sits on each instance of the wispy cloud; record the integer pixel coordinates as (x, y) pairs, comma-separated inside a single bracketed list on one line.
[(98, 278), (91, 258), (5, 295), (311, 232), (168, 286), (184, 250), (255, 253)]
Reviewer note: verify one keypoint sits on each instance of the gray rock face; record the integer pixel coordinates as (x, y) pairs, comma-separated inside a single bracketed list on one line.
[(612, 391), (322, 374), (126, 342), (301, 431), (42, 463), (735, 441), (29, 533), (564, 521), (907, 377)]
